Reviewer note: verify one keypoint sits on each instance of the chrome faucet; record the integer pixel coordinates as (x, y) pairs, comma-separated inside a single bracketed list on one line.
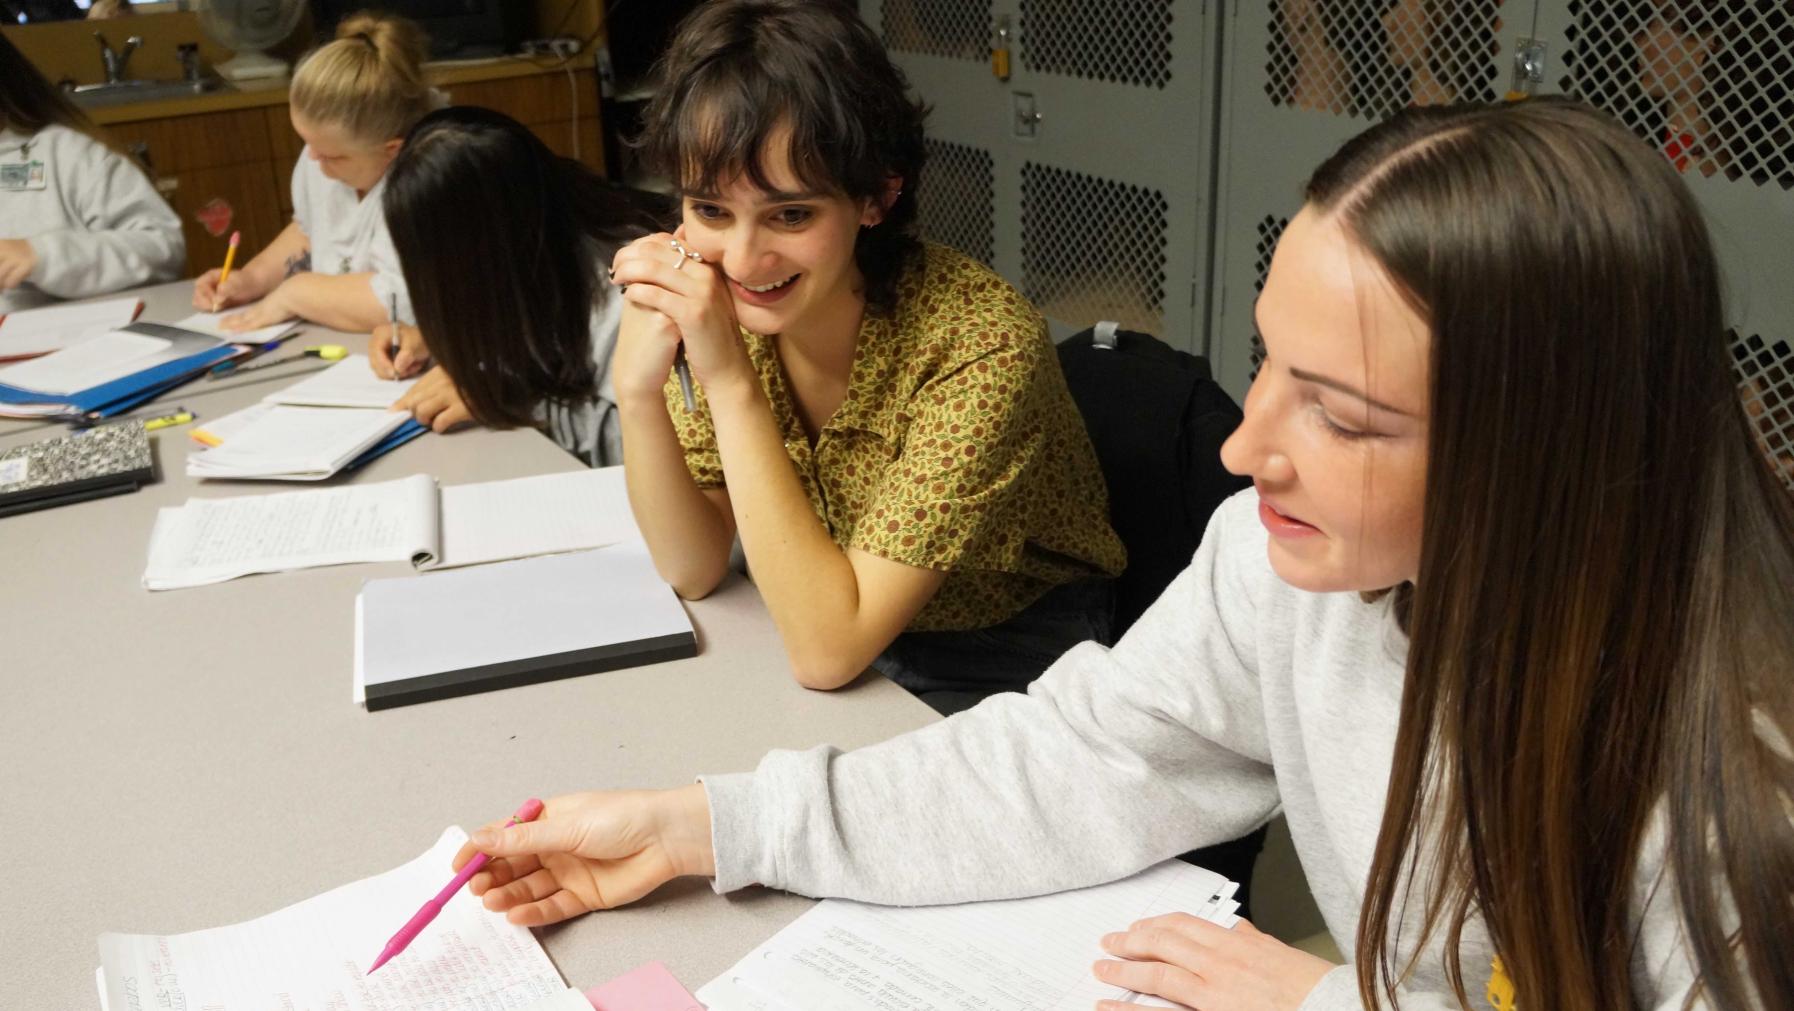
[(115, 62)]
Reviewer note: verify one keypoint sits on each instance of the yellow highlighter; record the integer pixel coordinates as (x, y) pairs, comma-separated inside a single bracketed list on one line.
[(328, 352), (180, 417)]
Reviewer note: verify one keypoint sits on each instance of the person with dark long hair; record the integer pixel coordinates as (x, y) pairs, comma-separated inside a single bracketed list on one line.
[(77, 218), (504, 247), (1505, 628), (882, 421)]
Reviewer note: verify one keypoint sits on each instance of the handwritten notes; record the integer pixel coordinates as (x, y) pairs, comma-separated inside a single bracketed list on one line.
[(1019, 955), (212, 540), (314, 955)]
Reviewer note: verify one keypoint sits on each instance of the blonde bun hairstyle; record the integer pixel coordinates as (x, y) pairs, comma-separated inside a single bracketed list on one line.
[(369, 81)]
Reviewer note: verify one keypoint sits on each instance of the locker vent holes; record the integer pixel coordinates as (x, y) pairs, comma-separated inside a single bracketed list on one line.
[(954, 28), (1372, 58), (1765, 371), (1269, 231), (1093, 249), (1711, 85), (1126, 41), (956, 204)]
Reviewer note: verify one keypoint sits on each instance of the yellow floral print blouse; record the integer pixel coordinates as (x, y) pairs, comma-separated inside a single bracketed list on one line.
[(957, 447)]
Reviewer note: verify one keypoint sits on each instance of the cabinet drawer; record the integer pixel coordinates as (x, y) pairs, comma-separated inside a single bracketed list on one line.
[(189, 142)]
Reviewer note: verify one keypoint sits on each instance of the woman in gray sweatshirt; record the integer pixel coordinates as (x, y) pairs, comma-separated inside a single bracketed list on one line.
[(1504, 629), (76, 217)]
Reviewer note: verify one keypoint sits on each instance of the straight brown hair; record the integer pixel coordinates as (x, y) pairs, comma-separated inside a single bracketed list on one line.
[(1602, 626), (28, 102)]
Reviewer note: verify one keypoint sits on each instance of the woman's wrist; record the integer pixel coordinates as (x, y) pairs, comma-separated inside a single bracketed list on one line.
[(684, 821)]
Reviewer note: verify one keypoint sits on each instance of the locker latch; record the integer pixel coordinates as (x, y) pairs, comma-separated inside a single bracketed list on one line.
[(999, 50), (1529, 68), (1027, 115)]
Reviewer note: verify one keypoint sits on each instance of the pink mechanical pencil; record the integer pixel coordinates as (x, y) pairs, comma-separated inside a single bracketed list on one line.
[(528, 812)]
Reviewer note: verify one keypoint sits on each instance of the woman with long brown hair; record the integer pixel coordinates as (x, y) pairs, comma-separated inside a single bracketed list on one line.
[(1505, 629), (77, 218)]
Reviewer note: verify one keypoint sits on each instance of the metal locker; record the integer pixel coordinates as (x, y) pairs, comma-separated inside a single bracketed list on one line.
[(1070, 147)]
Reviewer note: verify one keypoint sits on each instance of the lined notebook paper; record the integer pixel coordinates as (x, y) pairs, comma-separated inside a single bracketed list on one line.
[(349, 383), (1019, 955), (314, 955), (211, 540)]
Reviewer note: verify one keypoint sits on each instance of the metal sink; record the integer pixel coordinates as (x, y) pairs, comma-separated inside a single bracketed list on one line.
[(121, 92)]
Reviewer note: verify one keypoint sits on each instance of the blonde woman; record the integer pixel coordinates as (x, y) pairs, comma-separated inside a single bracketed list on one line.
[(352, 102)]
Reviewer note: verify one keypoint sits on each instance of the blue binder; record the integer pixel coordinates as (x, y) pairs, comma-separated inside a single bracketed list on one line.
[(122, 394)]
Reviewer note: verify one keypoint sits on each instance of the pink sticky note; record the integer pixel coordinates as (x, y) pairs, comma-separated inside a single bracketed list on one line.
[(648, 987)]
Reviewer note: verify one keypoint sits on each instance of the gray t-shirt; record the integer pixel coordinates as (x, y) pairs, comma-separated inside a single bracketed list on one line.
[(1234, 696), (590, 429)]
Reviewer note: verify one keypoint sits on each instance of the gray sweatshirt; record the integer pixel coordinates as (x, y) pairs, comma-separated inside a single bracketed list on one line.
[(95, 222), (1233, 696)]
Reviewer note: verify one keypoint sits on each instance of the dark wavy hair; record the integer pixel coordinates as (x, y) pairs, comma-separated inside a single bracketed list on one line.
[(1602, 627), (501, 242), (738, 71)]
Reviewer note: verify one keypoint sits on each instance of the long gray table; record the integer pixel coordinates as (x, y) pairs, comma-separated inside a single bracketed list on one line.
[(188, 759)]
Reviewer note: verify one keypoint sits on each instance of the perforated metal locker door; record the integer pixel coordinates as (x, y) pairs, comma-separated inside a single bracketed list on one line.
[(1302, 76), (1094, 155), (1711, 86)]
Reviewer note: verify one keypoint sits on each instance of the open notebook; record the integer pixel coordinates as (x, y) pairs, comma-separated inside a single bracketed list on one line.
[(214, 539), (349, 383), (1017, 955), (276, 442), (314, 955)]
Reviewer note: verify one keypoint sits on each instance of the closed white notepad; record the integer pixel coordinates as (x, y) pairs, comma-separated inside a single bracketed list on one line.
[(514, 623)]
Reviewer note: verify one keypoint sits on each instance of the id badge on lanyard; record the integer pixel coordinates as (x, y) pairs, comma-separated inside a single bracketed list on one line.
[(18, 176)]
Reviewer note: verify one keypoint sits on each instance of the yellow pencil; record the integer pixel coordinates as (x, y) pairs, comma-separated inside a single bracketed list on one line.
[(230, 257)]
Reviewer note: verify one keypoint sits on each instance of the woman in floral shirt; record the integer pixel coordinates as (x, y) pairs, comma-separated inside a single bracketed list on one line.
[(882, 422)]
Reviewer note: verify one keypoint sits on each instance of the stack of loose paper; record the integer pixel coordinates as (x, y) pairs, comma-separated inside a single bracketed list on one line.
[(315, 954), (31, 332), (275, 442), (211, 540), (1019, 955)]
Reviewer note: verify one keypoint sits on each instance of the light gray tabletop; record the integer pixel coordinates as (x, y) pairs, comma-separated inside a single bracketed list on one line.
[(188, 759)]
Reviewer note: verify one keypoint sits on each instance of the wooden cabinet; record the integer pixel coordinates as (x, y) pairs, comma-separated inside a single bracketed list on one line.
[(215, 170), (231, 167)]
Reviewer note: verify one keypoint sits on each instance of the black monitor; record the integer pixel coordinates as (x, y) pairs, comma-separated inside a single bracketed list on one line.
[(459, 29)]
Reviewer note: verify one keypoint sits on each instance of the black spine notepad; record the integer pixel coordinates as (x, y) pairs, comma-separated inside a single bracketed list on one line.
[(508, 624)]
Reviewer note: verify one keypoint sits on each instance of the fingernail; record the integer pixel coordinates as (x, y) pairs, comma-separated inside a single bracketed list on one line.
[(1105, 968), (1111, 941)]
